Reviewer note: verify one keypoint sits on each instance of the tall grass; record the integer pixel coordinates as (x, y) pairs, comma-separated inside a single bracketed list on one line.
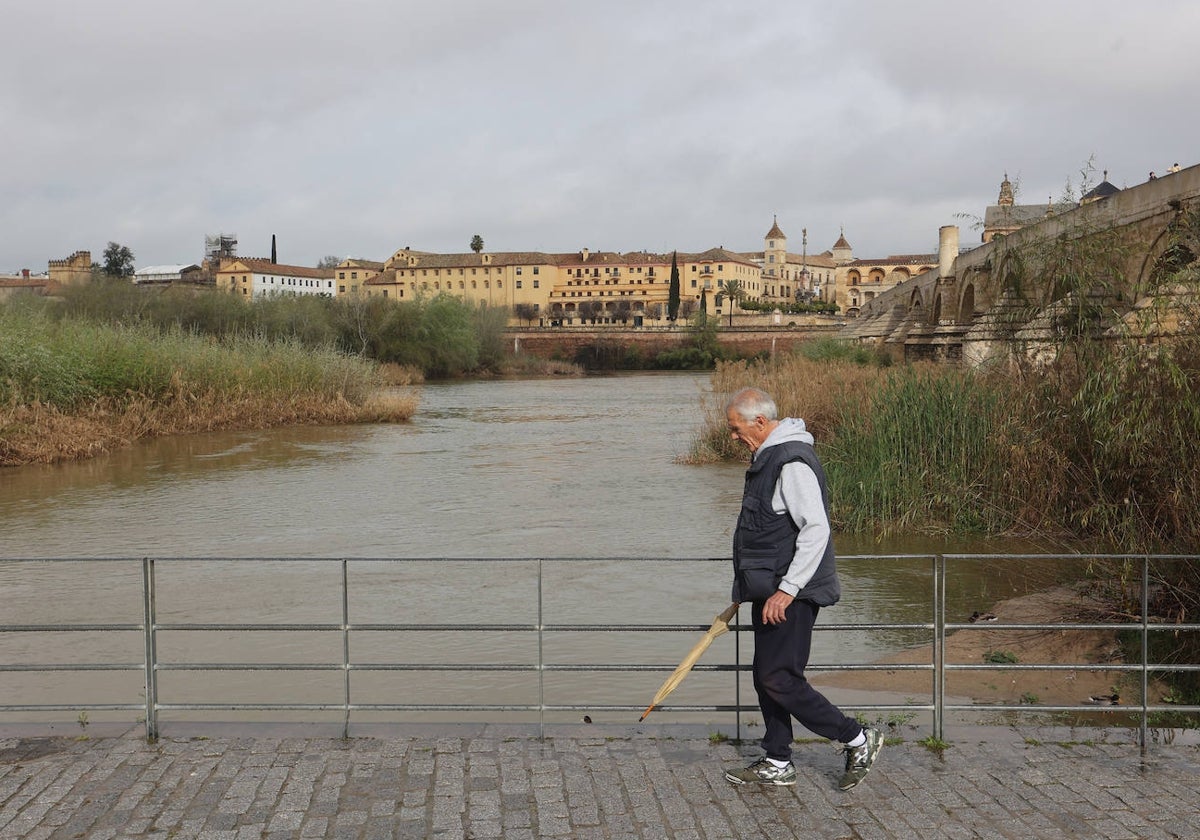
[(921, 453), (71, 387), (819, 383), (1105, 455), (441, 335)]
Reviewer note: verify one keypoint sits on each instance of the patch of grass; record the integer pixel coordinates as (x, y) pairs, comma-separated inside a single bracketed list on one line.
[(1000, 657), (933, 744)]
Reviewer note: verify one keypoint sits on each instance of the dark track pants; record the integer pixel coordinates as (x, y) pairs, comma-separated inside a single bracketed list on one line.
[(780, 657)]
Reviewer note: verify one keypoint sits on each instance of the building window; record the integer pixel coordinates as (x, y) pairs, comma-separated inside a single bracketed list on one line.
[(353, 275), (518, 284), (535, 269), (341, 275), (537, 284), (518, 271)]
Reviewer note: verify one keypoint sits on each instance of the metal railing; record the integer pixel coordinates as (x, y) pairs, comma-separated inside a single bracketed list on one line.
[(152, 665)]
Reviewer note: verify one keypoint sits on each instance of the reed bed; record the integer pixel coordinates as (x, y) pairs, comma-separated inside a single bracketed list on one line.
[(69, 388), (817, 384), (1104, 455)]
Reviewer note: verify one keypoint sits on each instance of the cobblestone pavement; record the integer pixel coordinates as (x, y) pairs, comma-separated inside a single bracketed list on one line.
[(581, 783)]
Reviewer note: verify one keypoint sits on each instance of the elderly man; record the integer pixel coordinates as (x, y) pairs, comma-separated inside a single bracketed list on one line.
[(784, 565)]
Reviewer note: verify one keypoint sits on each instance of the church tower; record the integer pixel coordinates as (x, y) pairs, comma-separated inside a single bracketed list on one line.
[(1006, 193), (842, 253), (775, 253)]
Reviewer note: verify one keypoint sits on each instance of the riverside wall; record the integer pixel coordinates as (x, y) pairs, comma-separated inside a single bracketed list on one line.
[(566, 342)]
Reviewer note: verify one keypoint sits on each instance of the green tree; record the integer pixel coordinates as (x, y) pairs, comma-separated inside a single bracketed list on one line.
[(673, 290), (477, 243), (731, 290), (118, 260)]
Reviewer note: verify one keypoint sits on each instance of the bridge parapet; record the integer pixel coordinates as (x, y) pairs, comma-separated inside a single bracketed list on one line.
[(976, 301)]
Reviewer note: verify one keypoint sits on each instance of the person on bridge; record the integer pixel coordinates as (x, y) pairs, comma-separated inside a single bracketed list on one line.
[(784, 566)]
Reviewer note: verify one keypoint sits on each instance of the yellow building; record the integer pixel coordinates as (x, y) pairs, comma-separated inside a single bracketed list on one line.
[(860, 280), (499, 279), (352, 273), (601, 285), (605, 286), (259, 278)]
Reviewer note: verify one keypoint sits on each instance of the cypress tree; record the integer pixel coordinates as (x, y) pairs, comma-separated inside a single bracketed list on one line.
[(673, 292)]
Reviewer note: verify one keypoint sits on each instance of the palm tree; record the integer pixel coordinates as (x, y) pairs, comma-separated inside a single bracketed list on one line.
[(477, 243), (731, 290)]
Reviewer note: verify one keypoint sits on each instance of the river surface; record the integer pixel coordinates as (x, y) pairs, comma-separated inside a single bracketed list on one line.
[(586, 469)]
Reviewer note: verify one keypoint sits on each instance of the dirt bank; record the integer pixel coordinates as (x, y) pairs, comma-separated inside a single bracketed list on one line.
[(990, 640), (32, 434)]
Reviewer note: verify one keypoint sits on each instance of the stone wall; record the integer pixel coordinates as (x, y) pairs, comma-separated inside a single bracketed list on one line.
[(565, 342)]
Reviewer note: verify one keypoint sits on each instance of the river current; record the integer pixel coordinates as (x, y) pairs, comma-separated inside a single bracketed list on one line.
[(548, 468)]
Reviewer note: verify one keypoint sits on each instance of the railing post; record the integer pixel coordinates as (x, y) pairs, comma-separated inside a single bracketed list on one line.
[(149, 616), (346, 648), (1143, 735), (939, 645), (540, 662)]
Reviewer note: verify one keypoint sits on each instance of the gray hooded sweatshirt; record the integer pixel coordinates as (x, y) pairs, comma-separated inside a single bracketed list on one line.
[(799, 494)]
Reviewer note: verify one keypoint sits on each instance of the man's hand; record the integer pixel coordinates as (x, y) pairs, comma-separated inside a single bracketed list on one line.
[(775, 607)]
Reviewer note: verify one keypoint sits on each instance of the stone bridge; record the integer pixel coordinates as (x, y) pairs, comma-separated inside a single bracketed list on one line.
[(981, 305)]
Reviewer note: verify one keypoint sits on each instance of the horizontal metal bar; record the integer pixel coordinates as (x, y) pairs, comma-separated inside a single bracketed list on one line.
[(1131, 708), (70, 628), (73, 707), (1088, 666), (66, 666), (1128, 625)]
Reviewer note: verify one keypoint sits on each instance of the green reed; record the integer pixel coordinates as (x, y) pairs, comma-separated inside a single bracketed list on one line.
[(70, 363), (920, 454)]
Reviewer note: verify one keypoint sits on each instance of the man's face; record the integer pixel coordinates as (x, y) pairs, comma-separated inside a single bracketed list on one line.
[(750, 432)]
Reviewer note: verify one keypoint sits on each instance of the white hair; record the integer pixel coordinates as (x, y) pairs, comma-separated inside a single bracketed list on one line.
[(749, 403)]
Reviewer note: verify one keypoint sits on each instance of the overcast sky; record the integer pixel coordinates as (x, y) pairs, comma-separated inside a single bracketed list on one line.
[(363, 126)]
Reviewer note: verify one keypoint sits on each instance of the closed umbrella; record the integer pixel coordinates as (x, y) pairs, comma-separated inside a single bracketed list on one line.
[(720, 625)]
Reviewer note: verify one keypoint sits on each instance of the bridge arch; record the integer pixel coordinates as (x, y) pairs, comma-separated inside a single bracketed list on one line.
[(966, 305), (916, 304)]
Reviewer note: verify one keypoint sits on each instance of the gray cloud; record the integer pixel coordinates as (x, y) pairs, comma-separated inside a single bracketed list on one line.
[(364, 126)]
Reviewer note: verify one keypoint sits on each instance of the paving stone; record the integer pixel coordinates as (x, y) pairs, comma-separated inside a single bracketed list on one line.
[(452, 786)]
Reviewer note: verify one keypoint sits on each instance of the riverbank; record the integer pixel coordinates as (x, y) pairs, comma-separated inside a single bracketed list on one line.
[(43, 434), (71, 388), (989, 642)]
